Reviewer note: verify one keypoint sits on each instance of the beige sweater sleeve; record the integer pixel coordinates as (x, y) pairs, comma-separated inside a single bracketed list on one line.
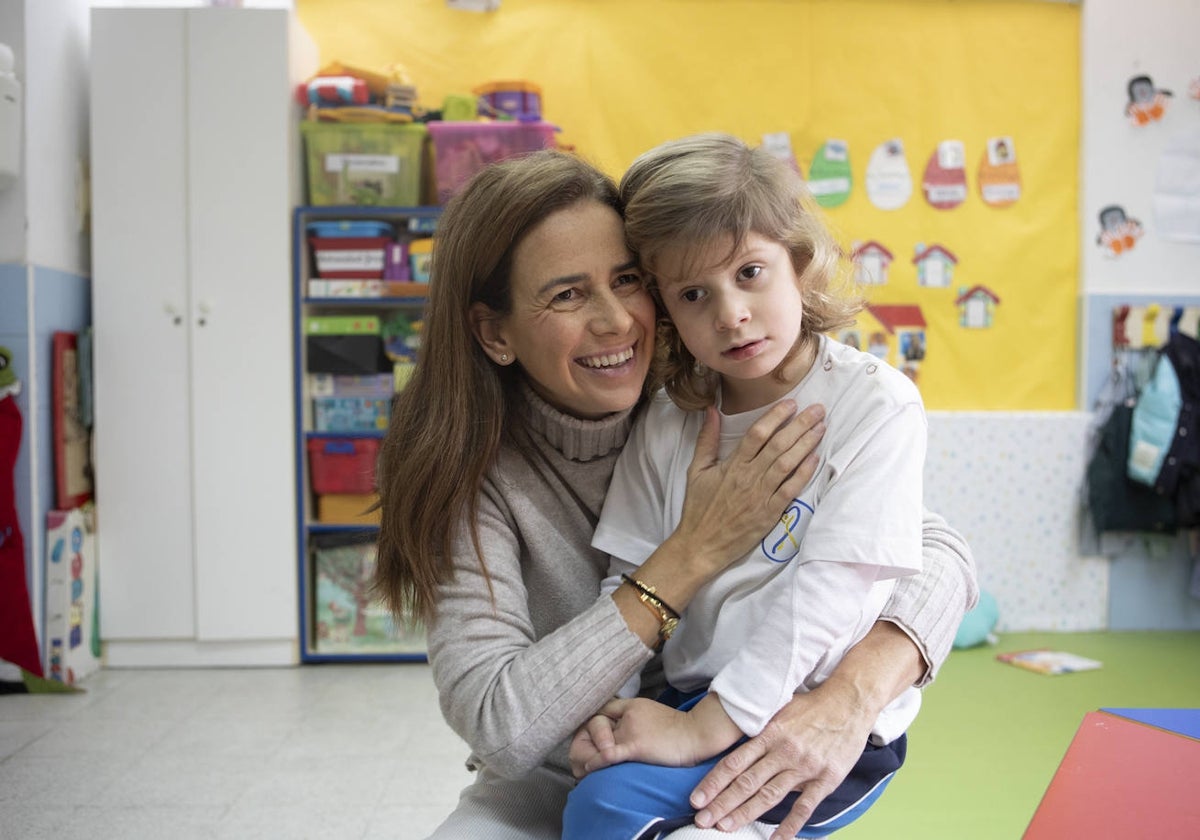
[(930, 606), (521, 661)]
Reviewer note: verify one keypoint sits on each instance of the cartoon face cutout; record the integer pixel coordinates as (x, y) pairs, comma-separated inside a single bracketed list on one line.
[(1141, 89), (1112, 217), (1147, 104), (1118, 232)]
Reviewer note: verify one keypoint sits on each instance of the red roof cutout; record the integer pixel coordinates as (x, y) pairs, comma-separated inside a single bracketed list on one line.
[(871, 246), (893, 315), (929, 252), (976, 290)]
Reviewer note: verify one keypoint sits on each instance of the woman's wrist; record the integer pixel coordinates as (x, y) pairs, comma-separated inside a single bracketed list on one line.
[(875, 671), (674, 576)]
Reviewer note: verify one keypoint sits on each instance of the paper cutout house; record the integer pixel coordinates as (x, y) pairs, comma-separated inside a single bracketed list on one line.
[(976, 307), (871, 261), (902, 326), (935, 265)]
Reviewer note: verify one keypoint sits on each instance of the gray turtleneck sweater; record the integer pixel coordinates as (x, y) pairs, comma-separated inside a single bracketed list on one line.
[(522, 662)]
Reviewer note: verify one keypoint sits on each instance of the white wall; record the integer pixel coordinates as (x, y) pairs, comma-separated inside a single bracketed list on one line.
[(12, 200), (1010, 482), (1120, 40), (56, 128)]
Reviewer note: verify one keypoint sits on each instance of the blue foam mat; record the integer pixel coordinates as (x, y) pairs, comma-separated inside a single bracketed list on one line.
[(1180, 721)]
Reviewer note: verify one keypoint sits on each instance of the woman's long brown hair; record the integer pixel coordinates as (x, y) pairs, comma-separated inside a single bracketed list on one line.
[(448, 423)]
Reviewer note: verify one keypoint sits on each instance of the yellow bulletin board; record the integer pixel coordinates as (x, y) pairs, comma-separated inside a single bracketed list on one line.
[(619, 76)]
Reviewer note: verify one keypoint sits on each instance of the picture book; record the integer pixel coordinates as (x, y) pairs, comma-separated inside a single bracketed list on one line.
[(1045, 661), (348, 619)]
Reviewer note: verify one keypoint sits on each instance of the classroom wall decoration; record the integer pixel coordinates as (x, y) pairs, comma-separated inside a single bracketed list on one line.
[(1118, 231), (945, 181), (880, 99), (1147, 104), (830, 177), (999, 177), (889, 182)]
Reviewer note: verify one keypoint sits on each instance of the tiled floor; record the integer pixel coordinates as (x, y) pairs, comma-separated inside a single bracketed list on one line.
[(345, 751), (361, 751)]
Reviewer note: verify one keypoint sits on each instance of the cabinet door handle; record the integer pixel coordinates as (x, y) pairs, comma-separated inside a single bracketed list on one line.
[(173, 313)]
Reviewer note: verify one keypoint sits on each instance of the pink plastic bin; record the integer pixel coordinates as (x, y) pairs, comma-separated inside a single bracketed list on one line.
[(460, 149)]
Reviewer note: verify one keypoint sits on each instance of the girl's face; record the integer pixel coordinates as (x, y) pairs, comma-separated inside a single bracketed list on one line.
[(740, 316), (582, 323)]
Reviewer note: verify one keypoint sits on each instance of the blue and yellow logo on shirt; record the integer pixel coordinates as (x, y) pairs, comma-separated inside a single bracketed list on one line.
[(783, 543)]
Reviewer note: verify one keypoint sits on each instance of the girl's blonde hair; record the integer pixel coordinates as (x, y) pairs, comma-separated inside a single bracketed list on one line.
[(448, 423), (689, 193)]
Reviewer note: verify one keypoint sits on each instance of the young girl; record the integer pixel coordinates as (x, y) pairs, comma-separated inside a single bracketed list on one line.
[(745, 271)]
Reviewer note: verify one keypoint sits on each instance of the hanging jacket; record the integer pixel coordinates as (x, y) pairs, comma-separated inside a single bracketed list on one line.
[(1180, 473), (1155, 423)]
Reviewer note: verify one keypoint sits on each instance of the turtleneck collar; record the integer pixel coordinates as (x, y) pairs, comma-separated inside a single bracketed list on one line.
[(578, 440)]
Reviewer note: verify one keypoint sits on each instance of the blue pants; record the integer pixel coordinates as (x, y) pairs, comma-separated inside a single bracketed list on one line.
[(637, 801)]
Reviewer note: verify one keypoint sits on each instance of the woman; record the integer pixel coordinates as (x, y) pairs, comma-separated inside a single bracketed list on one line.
[(535, 352)]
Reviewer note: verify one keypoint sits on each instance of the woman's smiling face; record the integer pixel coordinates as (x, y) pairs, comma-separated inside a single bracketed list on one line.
[(582, 323)]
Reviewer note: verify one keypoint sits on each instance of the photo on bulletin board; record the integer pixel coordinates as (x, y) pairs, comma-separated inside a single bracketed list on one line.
[(72, 440)]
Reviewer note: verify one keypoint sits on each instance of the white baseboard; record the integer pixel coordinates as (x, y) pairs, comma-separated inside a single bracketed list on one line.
[(192, 654)]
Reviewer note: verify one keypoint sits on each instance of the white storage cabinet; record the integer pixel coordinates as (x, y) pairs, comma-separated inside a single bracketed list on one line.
[(195, 170)]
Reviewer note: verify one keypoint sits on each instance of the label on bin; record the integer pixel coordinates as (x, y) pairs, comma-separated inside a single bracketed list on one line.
[(332, 261), (342, 162)]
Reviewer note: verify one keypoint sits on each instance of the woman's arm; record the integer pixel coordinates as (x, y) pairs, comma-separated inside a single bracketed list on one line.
[(515, 684), (812, 743), (930, 606), (515, 678)]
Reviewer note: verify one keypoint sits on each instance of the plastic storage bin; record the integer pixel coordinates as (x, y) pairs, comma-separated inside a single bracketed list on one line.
[(351, 228), (364, 163), (342, 465), (420, 254), (460, 149), (344, 257), (348, 509), (519, 99), (351, 414)]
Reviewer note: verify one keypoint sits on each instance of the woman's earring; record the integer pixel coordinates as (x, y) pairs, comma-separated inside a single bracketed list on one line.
[(700, 369), (504, 358)]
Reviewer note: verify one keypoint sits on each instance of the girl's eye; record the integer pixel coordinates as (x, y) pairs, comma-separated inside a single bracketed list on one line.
[(692, 295), (750, 272)]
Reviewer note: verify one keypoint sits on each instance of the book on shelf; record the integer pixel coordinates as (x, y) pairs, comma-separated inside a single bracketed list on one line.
[(348, 618)]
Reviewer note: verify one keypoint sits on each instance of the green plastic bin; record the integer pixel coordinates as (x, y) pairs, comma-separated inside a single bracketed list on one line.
[(364, 163)]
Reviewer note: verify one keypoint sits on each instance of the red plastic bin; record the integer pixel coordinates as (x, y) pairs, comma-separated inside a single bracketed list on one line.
[(342, 465)]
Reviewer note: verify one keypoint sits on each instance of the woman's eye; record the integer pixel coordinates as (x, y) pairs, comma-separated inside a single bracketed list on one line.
[(750, 272), (628, 280), (566, 296)]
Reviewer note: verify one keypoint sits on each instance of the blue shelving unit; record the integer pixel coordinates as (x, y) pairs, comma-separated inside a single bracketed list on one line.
[(306, 527)]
